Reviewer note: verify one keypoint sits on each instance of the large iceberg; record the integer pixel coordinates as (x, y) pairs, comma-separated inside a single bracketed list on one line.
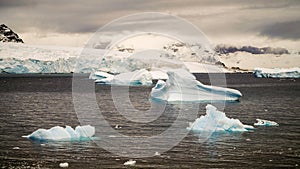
[(216, 121), (277, 73), (58, 133), (183, 86), (137, 78)]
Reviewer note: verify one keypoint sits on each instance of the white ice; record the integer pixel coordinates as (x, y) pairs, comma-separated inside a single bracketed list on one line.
[(98, 75), (261, 122), (64, 165), (183, 86), (277, 73), (130, 163), (58, 133), (24, 58), (136, 78), (216, 121)]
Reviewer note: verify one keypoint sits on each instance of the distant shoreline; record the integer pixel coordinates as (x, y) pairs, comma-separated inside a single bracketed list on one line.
[(43, 75), (84, 74)]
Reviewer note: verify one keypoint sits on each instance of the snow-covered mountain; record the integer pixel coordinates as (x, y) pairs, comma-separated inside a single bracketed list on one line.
[(22, 58), (150, 52), (7, 35)]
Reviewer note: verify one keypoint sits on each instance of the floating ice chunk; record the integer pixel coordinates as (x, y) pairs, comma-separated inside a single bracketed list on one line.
[(130, 163), (137, 78), (183, 86), (277, 73), (64, 165), (58, 133), (156, 154), (216, 121), (97, 75), (117, 127), (261, 122)]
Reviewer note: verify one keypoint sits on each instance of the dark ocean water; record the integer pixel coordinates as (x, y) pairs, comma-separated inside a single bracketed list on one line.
[(32, 102)]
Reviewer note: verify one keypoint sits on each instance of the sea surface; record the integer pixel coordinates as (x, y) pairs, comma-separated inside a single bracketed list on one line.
[(30, 102)]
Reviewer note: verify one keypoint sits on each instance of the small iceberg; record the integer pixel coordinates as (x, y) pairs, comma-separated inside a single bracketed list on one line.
[(137, 78), (183, 86), (130, 163), (64, 165), (277, 73), (216, 121), (58, 133), (261, 122)]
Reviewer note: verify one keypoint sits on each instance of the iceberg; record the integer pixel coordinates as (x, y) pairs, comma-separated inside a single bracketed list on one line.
[(158, 75), (277, 73), (216, 121), (136, 78), (130, 163), (64, 165), (183, 86), (261, 122), (58, 133)]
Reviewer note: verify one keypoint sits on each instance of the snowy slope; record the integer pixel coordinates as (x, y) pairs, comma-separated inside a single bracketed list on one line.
[(21, 58), (248, 61)]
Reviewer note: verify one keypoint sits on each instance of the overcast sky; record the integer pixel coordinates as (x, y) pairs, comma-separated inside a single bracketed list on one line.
[(72, 22)]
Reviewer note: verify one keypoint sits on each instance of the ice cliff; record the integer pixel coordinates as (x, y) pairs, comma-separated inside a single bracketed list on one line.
[(277, 73), (23, 58)]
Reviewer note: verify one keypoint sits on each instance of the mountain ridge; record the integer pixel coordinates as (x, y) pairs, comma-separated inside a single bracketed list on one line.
[(8, 35)]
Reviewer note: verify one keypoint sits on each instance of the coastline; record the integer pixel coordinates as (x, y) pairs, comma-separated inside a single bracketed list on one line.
[(63, 82)]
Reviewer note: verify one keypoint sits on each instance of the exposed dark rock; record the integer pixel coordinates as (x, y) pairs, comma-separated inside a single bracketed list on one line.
[(223, 49), (220, 63), (7, 35)]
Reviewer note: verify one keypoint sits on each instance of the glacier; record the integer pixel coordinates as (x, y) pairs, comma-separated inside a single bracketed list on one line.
[(181, 85), (217, 121), (24, 58), (58, 133), (136, 78), (277, 73), (261, 122)]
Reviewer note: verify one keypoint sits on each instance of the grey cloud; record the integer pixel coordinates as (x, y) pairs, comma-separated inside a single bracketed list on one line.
[(16, 3), (80, 16), (283, 30)]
